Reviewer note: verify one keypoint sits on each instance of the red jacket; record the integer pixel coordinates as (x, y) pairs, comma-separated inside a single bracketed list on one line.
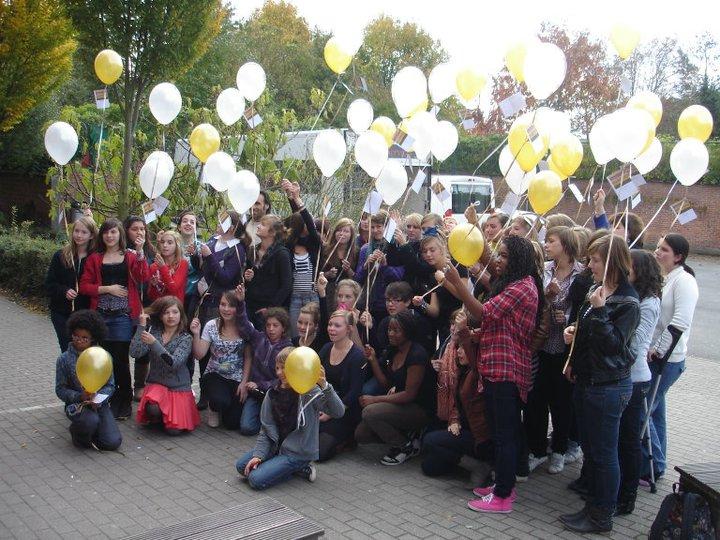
[(171, 283), (91, 279)]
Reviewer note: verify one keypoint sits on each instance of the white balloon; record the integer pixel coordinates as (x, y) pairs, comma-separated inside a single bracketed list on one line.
[(371, 152), (601, 139), (250, 80), (409, 90), (349, 39), (629, 133), (551, 124), (329, 151), (650, 158), (445, 140), (219, 170), (61, 142), (230, 106), (441, 82), (360, 115), (422, 127), (165, 102), (517, 179), (392, 182), (156, 173), (689, 161), (544, 69), (243, 191)]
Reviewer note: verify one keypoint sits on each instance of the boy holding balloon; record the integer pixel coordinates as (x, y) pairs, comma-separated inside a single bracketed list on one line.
[(84, 381), (290, 436)]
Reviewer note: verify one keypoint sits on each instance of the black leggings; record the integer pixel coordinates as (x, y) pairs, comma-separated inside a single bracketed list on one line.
[(120, 351), (222, 397)]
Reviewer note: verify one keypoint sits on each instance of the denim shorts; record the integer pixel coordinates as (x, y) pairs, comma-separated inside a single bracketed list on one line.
[(119, 327)]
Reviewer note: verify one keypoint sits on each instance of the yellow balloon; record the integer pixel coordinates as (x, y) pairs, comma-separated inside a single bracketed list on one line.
[(204, 141), (466, 244), (521, 148), (554, 168), (566, 155), (515, 59), (470, 83), (544, 191), (624, 38), (420, 108), (336, 59), (302, 369), (649, 102), (108, 66), (696, 122), (385, 127), (93, 368)]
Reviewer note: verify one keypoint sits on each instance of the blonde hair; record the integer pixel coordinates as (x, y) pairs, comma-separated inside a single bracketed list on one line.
[(352, 284), (414, 219), (69, 251), (282, 357), (312, 309), (347, 316), (178, 246)]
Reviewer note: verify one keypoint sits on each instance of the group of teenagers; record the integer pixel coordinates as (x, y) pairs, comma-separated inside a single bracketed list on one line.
[(418, 353)]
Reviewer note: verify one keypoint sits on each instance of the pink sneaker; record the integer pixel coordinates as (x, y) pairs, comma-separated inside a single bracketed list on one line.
[(485, 491), (492, 504)]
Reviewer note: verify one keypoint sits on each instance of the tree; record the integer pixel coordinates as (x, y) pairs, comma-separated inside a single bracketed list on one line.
[(36, 48), (157, 40)]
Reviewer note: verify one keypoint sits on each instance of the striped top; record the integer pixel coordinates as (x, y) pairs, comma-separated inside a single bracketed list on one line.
[(303, 276)]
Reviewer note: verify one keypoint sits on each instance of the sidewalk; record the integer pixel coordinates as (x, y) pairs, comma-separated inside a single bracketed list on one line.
[(49, 489)]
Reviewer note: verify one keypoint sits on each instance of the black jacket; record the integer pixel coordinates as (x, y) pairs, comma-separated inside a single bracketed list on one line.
[(273, 280), (59, 279), (602, 347)]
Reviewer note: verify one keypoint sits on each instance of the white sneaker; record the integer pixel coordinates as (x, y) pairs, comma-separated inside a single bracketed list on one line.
[(557, 463), (309, 472), (213, 418), (535, 462), (573, 454)]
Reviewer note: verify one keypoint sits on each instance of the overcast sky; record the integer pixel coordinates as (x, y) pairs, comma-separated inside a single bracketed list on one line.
[(479, 30)]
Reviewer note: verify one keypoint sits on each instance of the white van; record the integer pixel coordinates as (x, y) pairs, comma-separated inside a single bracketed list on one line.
[(464, 190)]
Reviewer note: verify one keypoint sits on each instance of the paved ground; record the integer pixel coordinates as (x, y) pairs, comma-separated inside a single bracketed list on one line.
[(48, 489)]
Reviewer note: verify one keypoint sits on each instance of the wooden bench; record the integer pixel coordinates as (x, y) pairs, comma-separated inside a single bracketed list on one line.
[(264, 518), (703, 479)]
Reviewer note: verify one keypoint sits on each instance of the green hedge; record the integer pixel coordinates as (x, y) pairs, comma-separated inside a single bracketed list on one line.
[(24, 261), (473, 150)]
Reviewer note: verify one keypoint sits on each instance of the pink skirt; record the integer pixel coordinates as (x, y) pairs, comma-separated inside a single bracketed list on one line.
[(178, 407)]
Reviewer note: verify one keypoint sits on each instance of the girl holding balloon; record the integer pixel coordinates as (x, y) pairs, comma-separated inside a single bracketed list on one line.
[(170, 270), (167, 399), (92, 423), (111, 279), (62, 281), (288, 441)]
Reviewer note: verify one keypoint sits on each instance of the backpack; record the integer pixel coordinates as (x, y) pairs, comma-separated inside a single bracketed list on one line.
[(683, 516)]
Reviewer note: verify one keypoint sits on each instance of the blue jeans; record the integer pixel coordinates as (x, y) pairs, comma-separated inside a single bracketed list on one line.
[(599, 409), (250, 417), (443, 450), (658, 428), (297, 301), (95, 426), (275, 470), (629, 443)]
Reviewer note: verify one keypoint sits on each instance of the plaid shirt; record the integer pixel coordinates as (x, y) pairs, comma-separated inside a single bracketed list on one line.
[(506, 330)]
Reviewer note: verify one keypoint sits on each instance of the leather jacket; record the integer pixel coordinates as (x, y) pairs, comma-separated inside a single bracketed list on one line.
[(601, 354)]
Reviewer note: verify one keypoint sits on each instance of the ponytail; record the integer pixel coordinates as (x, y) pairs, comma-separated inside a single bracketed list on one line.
[(680, 247)]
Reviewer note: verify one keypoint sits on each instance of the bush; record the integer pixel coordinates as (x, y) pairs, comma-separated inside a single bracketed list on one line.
[(24, 261)]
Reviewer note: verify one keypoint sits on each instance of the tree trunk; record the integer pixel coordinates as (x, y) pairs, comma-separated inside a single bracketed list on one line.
[(128, 140)]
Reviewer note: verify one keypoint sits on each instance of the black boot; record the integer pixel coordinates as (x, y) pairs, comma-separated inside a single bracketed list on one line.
[(577, 516), (625, 503), (579, 486), (140, 373), (597, 520)]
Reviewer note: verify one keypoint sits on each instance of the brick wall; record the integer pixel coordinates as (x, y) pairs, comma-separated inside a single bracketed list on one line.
[(703, 233), (28, 194)]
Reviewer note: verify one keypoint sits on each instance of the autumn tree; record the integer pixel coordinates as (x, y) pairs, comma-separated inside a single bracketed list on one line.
[(157, 40), (36, 48)]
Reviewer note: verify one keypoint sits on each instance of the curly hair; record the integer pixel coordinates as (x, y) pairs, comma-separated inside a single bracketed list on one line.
[(280, 315), (648, 276), (521, 263), (408, 322), (90, 320)]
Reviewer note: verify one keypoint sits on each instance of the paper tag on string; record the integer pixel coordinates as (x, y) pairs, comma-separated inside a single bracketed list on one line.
[(684, 212), (575, 191), (252, 118), (620, 181), (99, 398), (626, 85), (512, 105), (438, 188), (637, 199), (101, 98), (687, 216), (434, 110), (348, 88), (543, 165), (419, 181), (225, 221), (542, 233), (390, 229), (510, 204), (638, 180), (372, 203), (160, 204), (148, 208), (469, 124), (243, 219), (533, 136), (326, 210), (403, 140)]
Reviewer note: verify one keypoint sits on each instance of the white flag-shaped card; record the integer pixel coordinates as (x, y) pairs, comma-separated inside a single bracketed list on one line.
[(101, 98), (510, 204), (252, 118), (148, 208), (390, 229), (372, 202), (160, 204), (225, 221), (684, 212), (637, 199), (419, 181), (576, 192), (326, 210), (469, 124), (438, 188), (687, 216), (512, 105)]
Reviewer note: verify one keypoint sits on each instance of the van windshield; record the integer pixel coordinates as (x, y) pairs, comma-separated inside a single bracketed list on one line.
[(463, 195)]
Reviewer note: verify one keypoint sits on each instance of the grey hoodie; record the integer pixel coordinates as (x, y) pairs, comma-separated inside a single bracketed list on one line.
[(303, 442)]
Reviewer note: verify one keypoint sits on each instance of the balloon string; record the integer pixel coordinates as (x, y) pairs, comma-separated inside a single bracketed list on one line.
[(662, 204), (99, 149), (491, 154)]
